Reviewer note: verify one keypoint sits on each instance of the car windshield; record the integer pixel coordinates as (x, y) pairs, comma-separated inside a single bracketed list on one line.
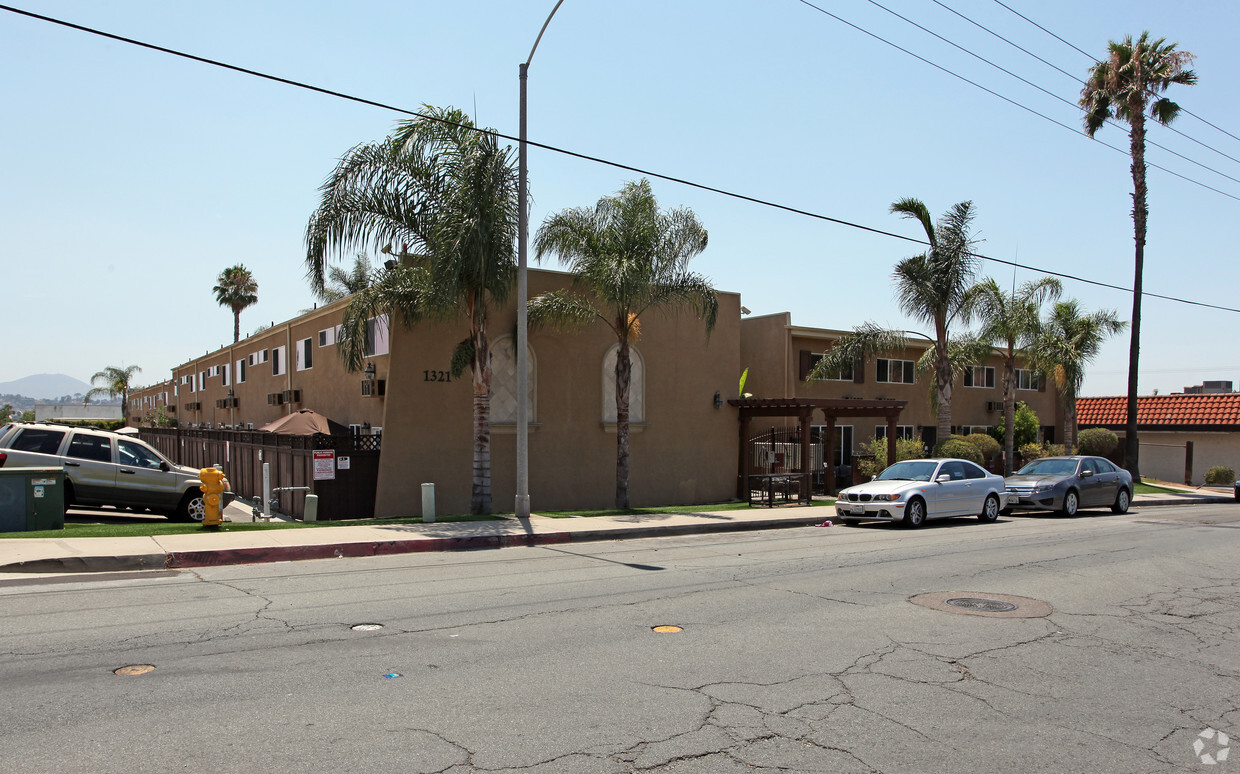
[(909, 470), (1049, 467)]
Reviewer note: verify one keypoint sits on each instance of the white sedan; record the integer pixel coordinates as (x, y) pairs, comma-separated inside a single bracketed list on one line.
[(915, 490)]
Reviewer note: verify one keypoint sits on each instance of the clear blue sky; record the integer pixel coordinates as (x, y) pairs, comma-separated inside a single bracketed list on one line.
[(132, 178)]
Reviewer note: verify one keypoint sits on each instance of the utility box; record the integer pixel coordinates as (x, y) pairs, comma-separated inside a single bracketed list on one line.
[(32, 499)]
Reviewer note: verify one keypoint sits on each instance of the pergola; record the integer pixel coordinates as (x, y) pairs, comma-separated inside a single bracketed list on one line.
[(803, 409)]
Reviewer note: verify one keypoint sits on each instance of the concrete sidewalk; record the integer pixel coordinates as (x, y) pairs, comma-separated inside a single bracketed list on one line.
[(212, 548)]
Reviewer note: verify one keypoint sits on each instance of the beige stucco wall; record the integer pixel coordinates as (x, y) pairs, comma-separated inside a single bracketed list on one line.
[(684, 453), (1162, 453)]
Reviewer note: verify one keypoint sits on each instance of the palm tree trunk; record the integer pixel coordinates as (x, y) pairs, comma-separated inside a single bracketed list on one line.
[(1009, 413), (236, 325), (943, 383), (624, 377), (1069, 421), (480, 494), (1140, 211)]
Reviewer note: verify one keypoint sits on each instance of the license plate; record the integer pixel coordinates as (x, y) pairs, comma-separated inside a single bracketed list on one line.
[(858, 510)]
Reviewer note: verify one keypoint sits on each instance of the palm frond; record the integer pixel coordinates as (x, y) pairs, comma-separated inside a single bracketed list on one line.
[(867, 341)]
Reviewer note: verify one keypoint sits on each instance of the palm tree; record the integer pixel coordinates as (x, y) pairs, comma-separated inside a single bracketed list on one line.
[(341, 283), (627, 257), (1068, 341), (931, 288), (1010, 320), (115, 383), (449, 191), (236, 289), (1125, 85)]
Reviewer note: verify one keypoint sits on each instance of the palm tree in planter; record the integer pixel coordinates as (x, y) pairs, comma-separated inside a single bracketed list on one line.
[(627, 258), (931, 288), (1010, 321), (1126, 85), (1069, 341), (116, 383), (447, 194), (236, 289)]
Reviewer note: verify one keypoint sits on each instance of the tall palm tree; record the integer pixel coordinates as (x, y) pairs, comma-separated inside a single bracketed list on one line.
[(341, 282), (115, 383), (1126, 85), (447, 190), (1069, 341), (931, 288), (236, 289), (1010, 320), (627, 257)]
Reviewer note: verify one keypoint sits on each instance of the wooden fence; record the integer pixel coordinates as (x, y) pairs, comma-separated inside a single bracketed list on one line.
[(242, 454)]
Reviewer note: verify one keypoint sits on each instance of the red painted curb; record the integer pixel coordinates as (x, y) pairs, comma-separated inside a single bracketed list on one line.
[(266, 554)]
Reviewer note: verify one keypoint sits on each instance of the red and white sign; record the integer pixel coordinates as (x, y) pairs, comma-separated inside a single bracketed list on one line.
[(324, 465)]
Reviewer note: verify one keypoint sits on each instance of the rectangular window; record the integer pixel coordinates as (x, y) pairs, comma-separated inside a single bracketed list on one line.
[(327, 337), (376, 336), (258, 357), (896, 371), (305, 355), (979, 376), (202, 380), (224, 370), (241, 371), (970, 429), (278, 362), (903, 432), (841, 374), (1026, 379)]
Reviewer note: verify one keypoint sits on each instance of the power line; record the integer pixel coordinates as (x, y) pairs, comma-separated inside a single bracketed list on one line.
[(1079, 82), (1094, 59), (1010, 101), (1047, 92), (593, 159)]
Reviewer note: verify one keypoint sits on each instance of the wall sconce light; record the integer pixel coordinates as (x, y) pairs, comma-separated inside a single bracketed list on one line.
[(369, 373), (718, 401), (230, 393)]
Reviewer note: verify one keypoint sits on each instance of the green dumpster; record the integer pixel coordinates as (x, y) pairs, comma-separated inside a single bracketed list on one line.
[(32, 499)]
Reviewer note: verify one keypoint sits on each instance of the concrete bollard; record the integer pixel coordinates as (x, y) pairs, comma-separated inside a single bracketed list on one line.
[(428, 502), (312, 508)]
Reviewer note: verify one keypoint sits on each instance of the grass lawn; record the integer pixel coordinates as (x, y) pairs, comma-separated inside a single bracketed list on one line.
[(1144, 488), (121, 526)]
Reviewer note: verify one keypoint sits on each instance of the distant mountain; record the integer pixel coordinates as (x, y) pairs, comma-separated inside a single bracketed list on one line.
[(45, 386)]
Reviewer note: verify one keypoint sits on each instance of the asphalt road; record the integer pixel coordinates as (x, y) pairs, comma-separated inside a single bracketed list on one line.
[(800, 651)]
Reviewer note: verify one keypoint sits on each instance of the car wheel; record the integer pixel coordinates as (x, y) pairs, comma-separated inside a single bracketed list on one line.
[(915, 513), (1122, 501), (192, 507), (990, 511), (1070, 503)]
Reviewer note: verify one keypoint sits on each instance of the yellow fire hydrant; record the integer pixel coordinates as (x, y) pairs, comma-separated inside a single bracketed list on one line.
[(212, 487)]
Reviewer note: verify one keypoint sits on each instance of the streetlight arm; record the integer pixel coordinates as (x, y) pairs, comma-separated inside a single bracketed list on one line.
[(540, 32)]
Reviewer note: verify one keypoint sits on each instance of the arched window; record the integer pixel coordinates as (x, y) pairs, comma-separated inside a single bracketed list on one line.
[(637, 386), (504, 381)]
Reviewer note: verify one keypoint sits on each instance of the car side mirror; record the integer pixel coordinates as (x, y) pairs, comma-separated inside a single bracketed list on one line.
[(943, 479), (165, 467), (1086, 473)]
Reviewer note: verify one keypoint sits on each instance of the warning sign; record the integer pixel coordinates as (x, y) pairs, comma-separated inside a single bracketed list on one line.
[(324, 465)]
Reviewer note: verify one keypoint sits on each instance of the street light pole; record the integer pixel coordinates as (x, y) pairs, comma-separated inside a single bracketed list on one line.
[(522, 505)]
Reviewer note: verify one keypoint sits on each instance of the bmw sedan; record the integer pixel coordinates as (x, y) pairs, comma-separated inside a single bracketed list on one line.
[(1067, 484), (912, 491)]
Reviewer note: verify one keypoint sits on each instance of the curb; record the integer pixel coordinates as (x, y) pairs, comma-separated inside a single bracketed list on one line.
[(89, 564)]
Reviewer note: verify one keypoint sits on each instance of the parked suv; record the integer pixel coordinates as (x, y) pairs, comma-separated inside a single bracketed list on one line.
[(103, 468)]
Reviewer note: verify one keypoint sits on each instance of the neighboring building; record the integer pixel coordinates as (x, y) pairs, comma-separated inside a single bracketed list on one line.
[(684, 442), (75, 412), (1209, 388), (1182, 436)]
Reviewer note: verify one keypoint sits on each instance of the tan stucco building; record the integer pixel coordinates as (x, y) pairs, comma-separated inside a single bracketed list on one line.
[(684, 442)]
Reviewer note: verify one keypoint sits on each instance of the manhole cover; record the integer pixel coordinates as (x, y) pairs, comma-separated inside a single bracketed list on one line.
[(368, 627), (667, 629), (980, 605), (133, 669)]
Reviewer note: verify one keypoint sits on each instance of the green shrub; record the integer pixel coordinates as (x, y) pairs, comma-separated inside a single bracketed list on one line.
[(872, 457), (1097, 441), (1026, 427), (957, 446), (1031, 451), (988, 446), (1220, 476)]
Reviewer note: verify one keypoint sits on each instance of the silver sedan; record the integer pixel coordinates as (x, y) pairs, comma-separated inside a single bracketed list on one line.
[(912, 491)]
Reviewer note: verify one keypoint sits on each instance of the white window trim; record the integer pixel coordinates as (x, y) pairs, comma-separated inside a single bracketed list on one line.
[(891, 360), (972, 375)]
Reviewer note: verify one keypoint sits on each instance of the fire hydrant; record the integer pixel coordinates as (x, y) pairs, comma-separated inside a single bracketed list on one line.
[(212, 487)]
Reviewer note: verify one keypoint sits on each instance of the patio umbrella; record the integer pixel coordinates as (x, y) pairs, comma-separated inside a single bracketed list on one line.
[(304, 422)]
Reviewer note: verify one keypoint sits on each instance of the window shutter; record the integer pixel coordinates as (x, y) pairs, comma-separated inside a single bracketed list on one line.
[(859, 371), (807, 359)]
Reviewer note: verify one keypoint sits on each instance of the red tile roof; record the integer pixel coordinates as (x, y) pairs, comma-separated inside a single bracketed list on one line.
[(1162, 410)]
